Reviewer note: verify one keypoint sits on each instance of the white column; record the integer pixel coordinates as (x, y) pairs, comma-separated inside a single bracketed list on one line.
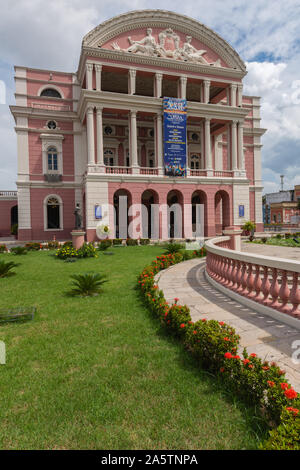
[(240, 136), (183, 82), (234, 145), (133, 141), (206, 91), (240, 95), (90, 135), (158, 85), (89, 76), (131, 81), (100, 156), (159, 143), (98, 69), (233, 94), (208, 159)]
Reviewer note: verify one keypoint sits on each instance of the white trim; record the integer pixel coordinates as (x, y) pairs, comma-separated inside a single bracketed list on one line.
[(61, 219)]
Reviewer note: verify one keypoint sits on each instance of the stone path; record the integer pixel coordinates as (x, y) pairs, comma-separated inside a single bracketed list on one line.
[(260, 334)]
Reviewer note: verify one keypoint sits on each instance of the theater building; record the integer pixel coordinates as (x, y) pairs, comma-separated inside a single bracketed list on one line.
[(91, 136)]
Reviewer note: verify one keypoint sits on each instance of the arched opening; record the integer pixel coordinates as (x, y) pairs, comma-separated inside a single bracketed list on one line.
[(50, 92), (14, 215), (150, 214), (222, 211), (122, 202), (53, 211), (175, 214), (199, 213)]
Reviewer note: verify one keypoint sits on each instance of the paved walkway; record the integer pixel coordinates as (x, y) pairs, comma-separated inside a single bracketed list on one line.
[(271, 250), (260, 334)]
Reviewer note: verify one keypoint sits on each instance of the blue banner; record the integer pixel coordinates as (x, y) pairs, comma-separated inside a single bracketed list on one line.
[(175, 136)]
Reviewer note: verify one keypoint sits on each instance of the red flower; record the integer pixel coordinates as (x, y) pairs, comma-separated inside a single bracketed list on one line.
[(228, 355), (265, 367), (236, 357), (222, 369), (226, 339), (284, 386), (291, 394), (176, 299), (246, 361), (253, 355), (250, 366), (195, 332), (203, 319), (221, 323), (182, 325), (295, 411), (270, 383)]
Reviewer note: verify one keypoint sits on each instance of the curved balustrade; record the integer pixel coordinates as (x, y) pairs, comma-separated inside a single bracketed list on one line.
[(273, 282)]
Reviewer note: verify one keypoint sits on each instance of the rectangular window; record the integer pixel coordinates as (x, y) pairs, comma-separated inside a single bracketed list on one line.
[(52, 161)]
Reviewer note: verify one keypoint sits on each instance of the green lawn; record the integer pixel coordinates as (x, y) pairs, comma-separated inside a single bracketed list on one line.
[(101, 373), (280, 242)]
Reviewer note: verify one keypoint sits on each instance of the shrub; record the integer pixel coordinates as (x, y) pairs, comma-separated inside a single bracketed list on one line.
[(248, 226), (251, 238), (117, 241), (278, 236), (173, 247), (86, 251), (144, 241), (19, 250), (104, 244), (131, 242), (287, 235), (54, 245), (264, 239), (88, 284), (6, 268), (3, 249), (287, 435), (33, 246)]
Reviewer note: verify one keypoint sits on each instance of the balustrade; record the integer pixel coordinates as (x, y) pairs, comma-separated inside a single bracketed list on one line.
[(269, 281)]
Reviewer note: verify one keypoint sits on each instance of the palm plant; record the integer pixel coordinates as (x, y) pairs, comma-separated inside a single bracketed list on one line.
[(19, 250), (87, 284), (6, 268)]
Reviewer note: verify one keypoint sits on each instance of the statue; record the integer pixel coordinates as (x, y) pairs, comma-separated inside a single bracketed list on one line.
[(78, 218), (146, 46), (189, 52)]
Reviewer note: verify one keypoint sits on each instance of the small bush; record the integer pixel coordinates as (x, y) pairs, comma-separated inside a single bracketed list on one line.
[(3, 249), (33, 246), (278, 236), (287, 435), (287, 235), (144, 241), (88, 284), (104, 244), (86, 251), (251, 238), (264, 239), (54, 245), (117, 241), (173, 247), (18, 250), (131, 242), (6, 268)]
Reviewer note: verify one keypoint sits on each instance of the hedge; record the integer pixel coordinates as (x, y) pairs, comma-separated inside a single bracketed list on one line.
[(214, 344)]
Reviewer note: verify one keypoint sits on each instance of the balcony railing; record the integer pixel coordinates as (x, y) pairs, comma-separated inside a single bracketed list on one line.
[(8, 193), (118, 170), (126, 170)]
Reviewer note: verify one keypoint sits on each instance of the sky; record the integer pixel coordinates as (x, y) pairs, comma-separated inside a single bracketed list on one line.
[(265, 33)]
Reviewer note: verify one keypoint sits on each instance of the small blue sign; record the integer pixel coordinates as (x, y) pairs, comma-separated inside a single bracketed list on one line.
[(175, 113), (241, 211), (98, 212)]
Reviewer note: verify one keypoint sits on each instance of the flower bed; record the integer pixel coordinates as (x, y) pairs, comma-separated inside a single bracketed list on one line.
[(86, 251), (214, 344)]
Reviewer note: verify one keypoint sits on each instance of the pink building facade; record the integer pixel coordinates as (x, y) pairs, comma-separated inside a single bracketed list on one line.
[(86, 138)]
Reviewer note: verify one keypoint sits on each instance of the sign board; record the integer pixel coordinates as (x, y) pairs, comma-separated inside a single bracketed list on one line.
[(175, 115), (241, 211), (98, 212)]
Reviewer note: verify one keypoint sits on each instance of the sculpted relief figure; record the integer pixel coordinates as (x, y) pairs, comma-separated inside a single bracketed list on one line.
[(168, 47), (146, 46)]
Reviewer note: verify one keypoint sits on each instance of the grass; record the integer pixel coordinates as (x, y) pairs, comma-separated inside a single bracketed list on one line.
[(280, 242), (100, 372)]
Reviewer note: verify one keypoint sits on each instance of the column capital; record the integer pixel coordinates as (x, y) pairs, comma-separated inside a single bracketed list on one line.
[(207, 120), (159, 75), (89, 109), (206, 82), (89, 67), (183, 78), (132, 72), (98, 67), (133, 113), (99, 108), (234, 122), (233, 85)]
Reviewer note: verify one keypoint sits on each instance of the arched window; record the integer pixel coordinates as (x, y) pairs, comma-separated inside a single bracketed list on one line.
[(51, 92), (108, 157), (53, 213), (52, 159)]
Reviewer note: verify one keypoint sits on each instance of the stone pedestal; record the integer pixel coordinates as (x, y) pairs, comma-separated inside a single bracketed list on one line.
[(77, 238), (235, 237)]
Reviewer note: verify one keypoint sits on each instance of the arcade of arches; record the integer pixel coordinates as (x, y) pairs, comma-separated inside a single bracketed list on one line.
[(162, 211)]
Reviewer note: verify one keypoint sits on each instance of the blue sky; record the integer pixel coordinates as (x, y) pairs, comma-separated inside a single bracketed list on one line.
[(265, 33)]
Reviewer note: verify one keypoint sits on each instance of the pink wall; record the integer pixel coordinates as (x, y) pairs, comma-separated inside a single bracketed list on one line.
[(5, 217)]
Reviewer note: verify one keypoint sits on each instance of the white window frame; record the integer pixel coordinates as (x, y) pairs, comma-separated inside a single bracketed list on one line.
[(48, 141), (54, 87), (61, 213)]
